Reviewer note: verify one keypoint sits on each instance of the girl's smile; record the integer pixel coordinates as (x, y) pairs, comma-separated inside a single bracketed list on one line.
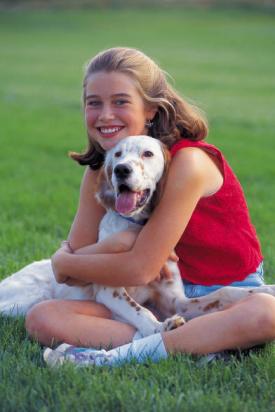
[(110, 131), (114, 108)]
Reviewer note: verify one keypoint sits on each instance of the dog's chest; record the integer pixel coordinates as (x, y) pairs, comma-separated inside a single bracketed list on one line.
[(112, 222)]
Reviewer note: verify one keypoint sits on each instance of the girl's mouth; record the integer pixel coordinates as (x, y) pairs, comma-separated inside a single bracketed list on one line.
[(109, 131)]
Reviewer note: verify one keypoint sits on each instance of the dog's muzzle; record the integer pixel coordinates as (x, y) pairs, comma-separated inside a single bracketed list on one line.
[(129, 201)]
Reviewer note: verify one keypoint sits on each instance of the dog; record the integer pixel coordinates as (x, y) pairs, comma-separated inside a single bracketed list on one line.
[(130, 185)]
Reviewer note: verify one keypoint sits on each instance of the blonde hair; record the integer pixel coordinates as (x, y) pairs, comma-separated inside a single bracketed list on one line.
[(175, 118)]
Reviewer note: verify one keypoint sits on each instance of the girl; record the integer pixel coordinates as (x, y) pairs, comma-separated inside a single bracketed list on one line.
[(202, 214)]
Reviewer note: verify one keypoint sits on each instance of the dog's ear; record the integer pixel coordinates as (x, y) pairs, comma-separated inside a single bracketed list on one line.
[(161, 183), (104, 190)]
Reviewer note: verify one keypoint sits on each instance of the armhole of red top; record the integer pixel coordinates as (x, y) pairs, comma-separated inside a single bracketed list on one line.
[(207, 148), (218, 156)]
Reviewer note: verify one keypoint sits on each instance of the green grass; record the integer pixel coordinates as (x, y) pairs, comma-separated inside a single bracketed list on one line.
[(224, 61)]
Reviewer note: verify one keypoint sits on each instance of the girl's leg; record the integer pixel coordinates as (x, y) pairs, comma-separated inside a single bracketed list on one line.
[(245, 324), (248, 323), (79, 323)]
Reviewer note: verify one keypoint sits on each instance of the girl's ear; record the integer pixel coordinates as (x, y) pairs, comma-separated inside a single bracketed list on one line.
[(104, 191), (161, 183), (151, 112)]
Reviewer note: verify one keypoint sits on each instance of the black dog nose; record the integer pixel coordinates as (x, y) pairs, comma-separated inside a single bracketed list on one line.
[(122, 171)]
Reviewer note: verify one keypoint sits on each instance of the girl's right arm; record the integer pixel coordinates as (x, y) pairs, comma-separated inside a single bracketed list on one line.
[(84, 230), (83, 235)]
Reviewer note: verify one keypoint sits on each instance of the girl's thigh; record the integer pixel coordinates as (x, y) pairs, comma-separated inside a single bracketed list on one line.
[(67, 307)]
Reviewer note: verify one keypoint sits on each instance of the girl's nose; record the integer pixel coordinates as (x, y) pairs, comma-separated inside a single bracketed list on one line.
[(106, 113)]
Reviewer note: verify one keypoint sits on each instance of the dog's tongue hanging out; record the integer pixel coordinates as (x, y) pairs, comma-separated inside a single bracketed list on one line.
[(126, 202)]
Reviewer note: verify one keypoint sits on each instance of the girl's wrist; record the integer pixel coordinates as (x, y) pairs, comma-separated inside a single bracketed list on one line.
[(66, 245)]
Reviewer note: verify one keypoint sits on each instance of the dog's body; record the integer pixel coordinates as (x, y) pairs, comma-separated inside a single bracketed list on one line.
[(128, 188)]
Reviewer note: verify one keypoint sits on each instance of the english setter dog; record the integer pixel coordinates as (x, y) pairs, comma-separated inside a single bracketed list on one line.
[(130, 186)]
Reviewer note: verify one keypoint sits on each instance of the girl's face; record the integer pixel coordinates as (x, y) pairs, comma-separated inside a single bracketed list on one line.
[(114, 108)]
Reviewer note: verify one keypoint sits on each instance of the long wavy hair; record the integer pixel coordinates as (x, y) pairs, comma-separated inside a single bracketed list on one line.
[(175, 118)]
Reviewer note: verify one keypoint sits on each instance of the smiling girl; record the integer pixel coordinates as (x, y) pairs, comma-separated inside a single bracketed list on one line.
[(203, 215)]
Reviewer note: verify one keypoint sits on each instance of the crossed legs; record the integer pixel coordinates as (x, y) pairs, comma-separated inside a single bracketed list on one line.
[(249, 322)]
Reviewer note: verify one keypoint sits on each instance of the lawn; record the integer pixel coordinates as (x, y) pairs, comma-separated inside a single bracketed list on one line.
[(222, 60)]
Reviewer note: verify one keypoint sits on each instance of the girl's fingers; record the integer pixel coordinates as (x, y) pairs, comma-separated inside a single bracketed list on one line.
[(173, 256), (165, 272)]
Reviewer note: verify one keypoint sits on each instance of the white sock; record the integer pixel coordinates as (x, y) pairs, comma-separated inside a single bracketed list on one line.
[(151, 347), (137, 336)]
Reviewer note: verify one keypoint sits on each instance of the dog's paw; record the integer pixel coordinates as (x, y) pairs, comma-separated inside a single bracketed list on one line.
[(174, 322)]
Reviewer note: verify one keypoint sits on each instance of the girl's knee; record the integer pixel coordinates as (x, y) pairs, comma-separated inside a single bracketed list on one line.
[(37, 319), (259, 313)]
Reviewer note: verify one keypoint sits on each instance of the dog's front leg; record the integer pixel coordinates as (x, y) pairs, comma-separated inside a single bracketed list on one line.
[(122, 305)]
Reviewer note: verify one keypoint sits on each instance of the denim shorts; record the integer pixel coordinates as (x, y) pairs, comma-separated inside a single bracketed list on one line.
[(253, 280)]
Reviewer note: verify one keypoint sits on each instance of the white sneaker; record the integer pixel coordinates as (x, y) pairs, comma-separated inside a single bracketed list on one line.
[(78, 356)]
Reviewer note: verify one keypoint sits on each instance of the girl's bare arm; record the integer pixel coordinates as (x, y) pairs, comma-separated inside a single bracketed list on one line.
[(84, 230), (192, 175)]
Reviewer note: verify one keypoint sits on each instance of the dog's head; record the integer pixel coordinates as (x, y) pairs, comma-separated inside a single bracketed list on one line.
[(132, 178)]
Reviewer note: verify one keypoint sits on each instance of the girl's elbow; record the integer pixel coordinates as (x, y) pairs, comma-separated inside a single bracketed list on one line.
[(58, 269), (140, 267)]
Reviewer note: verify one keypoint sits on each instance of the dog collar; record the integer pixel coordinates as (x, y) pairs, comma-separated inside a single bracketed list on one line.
[(132, 220)]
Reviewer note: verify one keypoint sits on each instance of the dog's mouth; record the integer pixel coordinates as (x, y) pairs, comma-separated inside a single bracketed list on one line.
[(128, 201)]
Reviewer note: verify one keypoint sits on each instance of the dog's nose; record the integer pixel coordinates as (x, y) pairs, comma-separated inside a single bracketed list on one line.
[(122, 171)]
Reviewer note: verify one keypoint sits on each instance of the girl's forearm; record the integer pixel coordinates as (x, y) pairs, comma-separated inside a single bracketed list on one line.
[(105, 269), (117, 243), (98, 262), (99, 248)]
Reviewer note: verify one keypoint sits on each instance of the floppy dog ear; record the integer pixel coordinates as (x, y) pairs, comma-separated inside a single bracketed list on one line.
[(161, 183), (104, 189)]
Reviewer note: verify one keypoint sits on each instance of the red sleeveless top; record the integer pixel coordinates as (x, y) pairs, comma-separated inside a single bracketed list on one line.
[(219, 244)]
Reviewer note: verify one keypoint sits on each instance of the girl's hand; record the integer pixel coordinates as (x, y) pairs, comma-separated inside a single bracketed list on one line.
[(65, 245), (57, 259), (60, 277)]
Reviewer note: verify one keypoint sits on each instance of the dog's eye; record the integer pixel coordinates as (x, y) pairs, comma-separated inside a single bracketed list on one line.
[(148, 153), (117, 154)]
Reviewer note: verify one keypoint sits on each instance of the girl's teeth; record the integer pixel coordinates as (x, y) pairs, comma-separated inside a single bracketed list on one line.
[(110, 130)]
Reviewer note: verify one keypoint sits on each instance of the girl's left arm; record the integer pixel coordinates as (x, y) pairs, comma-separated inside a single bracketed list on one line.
[(187, 182)]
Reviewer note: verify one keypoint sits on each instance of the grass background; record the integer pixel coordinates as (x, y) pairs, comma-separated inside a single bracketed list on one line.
[(223, 61)]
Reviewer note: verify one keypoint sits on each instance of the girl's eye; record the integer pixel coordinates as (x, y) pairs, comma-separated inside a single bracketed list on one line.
[(148, 153), (117, 154), (120, 102), (93, 103)]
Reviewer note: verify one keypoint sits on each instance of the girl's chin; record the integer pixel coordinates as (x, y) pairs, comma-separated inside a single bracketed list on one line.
[(108, 144)]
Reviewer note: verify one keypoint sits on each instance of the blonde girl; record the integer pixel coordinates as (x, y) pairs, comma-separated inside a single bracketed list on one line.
[(203, 215)]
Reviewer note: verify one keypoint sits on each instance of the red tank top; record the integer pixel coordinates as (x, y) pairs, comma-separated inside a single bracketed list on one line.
[(219, 244)]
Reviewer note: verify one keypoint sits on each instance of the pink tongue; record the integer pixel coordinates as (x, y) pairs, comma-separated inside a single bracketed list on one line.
[(126, 202)]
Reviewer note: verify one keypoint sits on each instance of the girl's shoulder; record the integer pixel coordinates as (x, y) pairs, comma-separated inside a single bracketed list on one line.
[(200, 144), (202, 150), (90, 178), (200, 162)]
